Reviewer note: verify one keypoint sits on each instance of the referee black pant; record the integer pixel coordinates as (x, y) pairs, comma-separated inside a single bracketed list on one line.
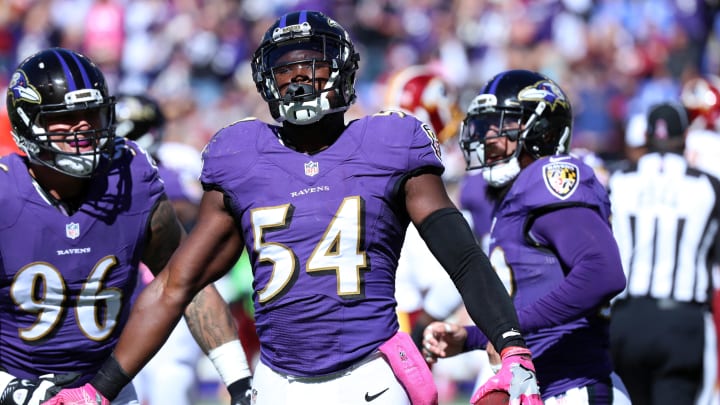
[(657, 347)]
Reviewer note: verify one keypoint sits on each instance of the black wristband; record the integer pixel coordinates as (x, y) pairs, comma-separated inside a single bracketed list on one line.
[(240, 387), (110, 379)]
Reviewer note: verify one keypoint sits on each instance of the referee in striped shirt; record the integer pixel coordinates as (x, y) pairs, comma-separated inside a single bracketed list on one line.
[(665, 218)]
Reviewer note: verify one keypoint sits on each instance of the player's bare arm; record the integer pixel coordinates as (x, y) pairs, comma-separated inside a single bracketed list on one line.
[(423, 195), (207, 315), (165, 236)]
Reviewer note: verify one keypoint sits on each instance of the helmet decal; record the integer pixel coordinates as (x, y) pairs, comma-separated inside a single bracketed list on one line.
[(545, 91), (22, 90), (424, 92)]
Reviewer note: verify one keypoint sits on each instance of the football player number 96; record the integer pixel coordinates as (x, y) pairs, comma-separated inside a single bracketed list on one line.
[(39, 288)]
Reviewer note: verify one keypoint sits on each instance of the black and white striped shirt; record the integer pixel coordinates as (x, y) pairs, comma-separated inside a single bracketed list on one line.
[(665, 220)]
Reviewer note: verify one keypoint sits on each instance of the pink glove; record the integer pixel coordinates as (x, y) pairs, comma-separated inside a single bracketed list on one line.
[(516, 376), (85, 395)]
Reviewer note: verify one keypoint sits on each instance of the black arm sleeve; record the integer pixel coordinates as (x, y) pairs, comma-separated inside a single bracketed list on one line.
[(453, 243)]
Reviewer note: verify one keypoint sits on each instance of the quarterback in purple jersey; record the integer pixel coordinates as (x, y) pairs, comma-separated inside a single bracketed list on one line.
[(322, 206), (81, 209), (550, 240)]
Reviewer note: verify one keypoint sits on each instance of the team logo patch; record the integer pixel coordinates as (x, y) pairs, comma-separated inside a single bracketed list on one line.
[(22, 90), (72, 230), (312, 168), (561, 178)]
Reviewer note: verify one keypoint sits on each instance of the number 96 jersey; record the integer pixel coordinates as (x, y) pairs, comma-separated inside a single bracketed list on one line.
[(66, 280), (323, 233)]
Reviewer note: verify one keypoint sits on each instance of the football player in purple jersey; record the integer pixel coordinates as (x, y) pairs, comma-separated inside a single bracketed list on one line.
[(81, 210), (550, 241), (322, 206)]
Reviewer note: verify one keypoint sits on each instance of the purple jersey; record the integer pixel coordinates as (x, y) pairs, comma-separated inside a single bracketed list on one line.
[(66, 281), (323, 232), (177, 186), (573, 353), (474, 200)]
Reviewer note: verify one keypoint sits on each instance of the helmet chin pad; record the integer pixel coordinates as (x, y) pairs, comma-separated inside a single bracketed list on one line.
[(76, 165), (304, 113), (501, 174)]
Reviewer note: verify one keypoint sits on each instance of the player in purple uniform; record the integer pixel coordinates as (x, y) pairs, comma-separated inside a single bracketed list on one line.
[(81, 210), (322, 206), (550, 242)]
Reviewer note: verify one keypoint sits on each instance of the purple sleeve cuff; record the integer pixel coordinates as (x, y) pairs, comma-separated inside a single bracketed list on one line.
[(475, 339)]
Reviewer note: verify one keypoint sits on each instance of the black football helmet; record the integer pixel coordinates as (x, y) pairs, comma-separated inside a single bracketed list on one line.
[(530, 99), (48, 84), (140, 118), (308, 30)]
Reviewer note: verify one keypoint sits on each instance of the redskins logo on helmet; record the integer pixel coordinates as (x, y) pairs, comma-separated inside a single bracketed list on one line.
[(424, 93), (701, 98)]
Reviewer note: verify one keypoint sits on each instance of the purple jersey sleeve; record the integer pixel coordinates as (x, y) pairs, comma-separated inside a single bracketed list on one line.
[(66, 281), (177, 187), (324, 233), (584, 244)]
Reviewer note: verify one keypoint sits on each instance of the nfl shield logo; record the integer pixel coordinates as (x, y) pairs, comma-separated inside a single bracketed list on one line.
[(72, 230), (311, 168)]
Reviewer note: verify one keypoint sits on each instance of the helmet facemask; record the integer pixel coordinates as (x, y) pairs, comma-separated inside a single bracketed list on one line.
[(74, 153), (525, 107), (305, 103), (479, 140), (61, 113)]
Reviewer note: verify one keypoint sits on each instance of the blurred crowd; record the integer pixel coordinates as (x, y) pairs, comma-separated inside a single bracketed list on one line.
[(614, 57)]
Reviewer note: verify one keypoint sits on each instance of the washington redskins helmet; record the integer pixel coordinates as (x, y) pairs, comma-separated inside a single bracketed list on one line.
[(52, 83), (141, 119), (523, 106), (423, 92), (303, 103), (701, 98)]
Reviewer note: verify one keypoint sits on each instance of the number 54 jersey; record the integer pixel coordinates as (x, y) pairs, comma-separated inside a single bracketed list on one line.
[(66, 280), (323, 232)]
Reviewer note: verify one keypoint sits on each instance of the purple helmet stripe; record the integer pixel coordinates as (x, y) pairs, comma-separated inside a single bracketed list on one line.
[(303, 17), (494, 84), (83, 72), (68, 74), (283, 21)]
